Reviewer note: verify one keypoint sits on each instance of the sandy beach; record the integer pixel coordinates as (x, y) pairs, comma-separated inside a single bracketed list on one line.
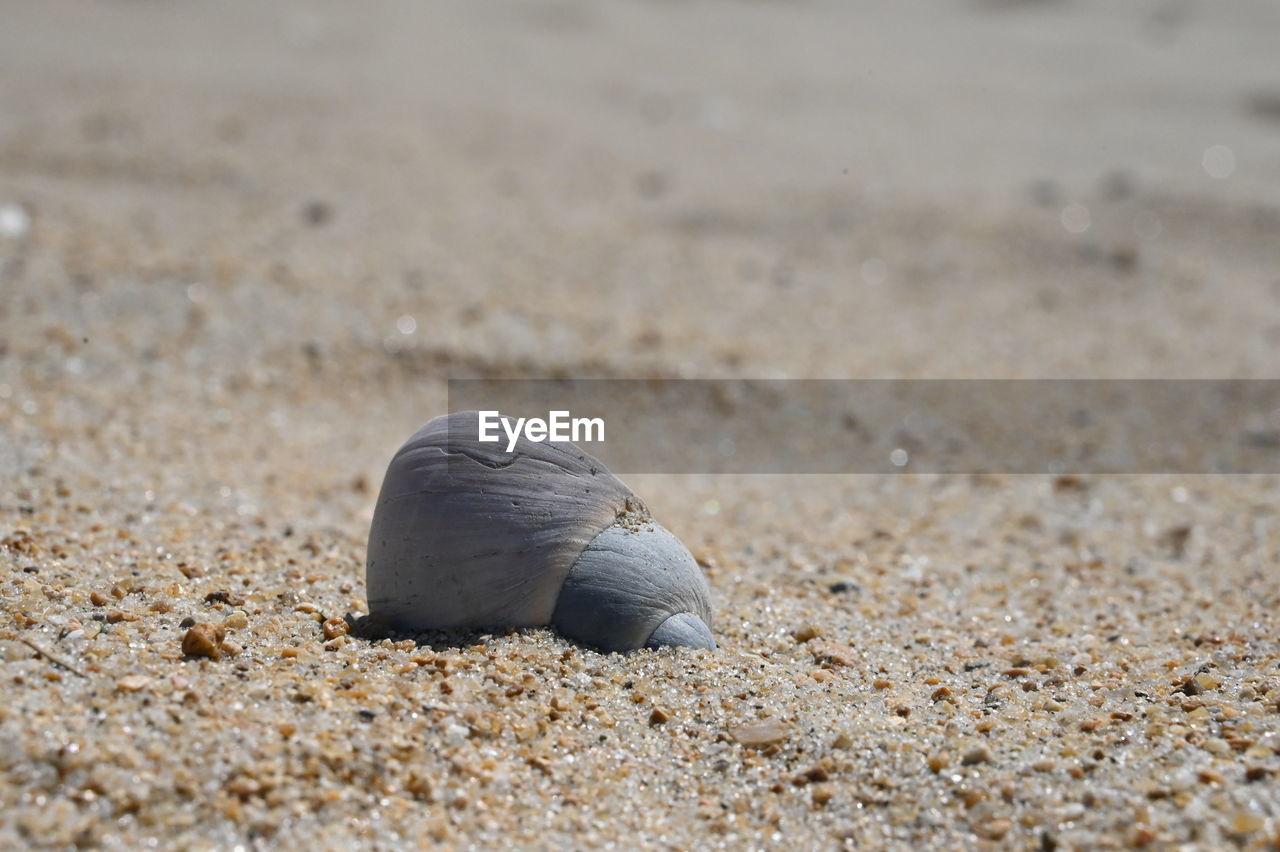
[(243, 246)]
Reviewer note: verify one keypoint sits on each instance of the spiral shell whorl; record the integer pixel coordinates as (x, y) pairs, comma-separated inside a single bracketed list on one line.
[(630, 580)]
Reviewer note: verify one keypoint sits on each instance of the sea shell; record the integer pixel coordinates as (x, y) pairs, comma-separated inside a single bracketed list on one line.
[(467, 535)]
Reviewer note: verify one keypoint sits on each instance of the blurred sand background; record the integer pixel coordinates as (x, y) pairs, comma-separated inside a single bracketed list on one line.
[(243, 244)]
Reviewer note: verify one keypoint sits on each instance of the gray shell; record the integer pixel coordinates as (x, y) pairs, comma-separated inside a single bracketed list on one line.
[(466, 535)]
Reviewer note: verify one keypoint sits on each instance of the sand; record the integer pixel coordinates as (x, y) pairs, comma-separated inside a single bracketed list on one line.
[(242, 246)]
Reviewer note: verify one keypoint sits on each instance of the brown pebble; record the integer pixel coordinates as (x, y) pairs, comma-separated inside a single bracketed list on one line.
[(659, 716), (242, 786), (822, 793), (224, 596), (202, 640), (1207, 681), (99, 599), (995, 829), (1069, 483), (1256, 773), (1239, 743), (116, 616), (1142, 836), (817, 774), (938, 762), (759, 734), (1191, 687), (807, 632), (418, 786), (982, 754), (881, 683), (1175, 539), (335, 627)]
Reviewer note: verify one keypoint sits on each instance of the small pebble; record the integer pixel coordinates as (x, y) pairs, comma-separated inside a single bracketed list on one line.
[(981, 754), (835, 653), (995, 829), (1191, 687), (1217, 746), (1256, 773), (822, 793), (759, 734), (224, 596), (132, 683), (1207, 681), (1142, 837), (815, 774), (335, 627), (203, 640), (805, 633), (14, 221), (1247, 822)]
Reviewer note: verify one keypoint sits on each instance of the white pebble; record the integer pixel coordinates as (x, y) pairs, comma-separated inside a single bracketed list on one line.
[(14, 221)]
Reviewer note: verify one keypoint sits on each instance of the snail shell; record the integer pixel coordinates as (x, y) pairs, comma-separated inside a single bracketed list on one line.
[(466, 535)]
